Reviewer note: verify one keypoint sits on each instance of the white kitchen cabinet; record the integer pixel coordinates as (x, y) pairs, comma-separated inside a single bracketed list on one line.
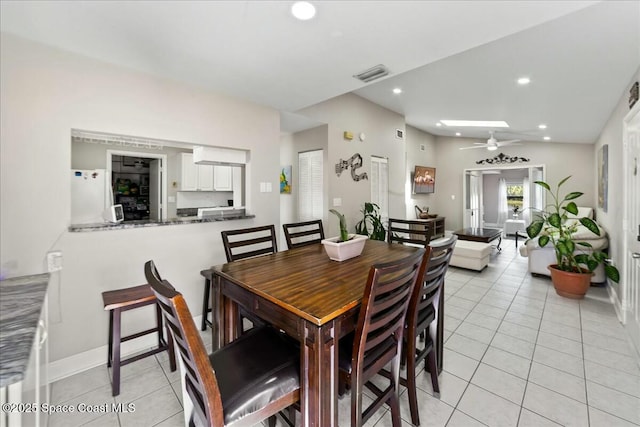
[(205, 177), (194, 177), (223, 178)]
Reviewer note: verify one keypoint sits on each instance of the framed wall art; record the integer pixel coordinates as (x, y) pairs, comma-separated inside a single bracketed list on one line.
[(424, 180), (285, 179), (603, 177)]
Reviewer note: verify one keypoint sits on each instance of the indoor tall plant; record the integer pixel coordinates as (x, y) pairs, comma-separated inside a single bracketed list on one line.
[(344, 233), (553, 225), (371, 223)]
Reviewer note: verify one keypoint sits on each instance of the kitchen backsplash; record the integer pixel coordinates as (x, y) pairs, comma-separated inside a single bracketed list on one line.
[(202, 199)]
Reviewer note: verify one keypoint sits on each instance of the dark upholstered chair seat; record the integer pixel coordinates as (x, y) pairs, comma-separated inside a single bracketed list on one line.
[(426, 316), (270, 369), (243, 383)]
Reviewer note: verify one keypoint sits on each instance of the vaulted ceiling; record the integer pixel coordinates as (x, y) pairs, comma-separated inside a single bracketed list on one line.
[(452, 60)]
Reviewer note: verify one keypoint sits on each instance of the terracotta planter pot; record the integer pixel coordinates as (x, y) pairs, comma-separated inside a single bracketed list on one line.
[(569, 284)]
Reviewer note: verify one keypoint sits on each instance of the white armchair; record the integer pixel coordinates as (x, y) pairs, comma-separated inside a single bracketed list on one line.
[(539, 258)]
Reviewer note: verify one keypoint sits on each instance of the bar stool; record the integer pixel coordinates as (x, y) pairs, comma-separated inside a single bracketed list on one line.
[(125, 299)]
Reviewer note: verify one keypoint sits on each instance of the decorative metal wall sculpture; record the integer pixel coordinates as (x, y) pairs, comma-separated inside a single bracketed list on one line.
[(355, 162), (502, 159)]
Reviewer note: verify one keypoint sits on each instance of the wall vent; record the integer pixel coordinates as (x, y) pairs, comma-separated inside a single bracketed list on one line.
[(372, 73)]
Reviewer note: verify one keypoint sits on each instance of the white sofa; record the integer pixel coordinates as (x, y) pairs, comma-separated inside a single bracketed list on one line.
[(539, 258)]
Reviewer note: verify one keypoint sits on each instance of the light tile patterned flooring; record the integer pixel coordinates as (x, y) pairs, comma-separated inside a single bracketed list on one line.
[(516, 354)]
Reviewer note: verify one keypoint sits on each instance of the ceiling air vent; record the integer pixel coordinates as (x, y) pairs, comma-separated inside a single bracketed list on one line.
[(372, 73)]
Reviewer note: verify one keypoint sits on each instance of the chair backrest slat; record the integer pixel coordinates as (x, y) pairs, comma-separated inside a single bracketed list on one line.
[(303, 233), (249, 242), (426, 297), (410, 231), (382, 314)]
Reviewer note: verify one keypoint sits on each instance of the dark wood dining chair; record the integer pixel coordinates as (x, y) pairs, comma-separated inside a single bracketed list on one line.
[(377, 339), (247, 381), (240, 244), (422, 322), (407, 231), (303, 233)]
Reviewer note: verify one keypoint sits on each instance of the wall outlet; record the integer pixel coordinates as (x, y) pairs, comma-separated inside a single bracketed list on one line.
[(337, 202), (54, 261)]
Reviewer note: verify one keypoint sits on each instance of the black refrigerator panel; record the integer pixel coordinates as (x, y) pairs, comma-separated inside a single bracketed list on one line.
[(135, 208)]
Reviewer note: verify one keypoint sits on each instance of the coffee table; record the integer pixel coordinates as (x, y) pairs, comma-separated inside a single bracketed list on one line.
[(484, 235)]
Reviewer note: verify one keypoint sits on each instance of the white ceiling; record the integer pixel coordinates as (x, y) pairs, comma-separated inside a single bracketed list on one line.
[(453, 60)]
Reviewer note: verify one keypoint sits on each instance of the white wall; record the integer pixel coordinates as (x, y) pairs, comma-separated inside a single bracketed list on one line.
[(560, 160), (290, 145), (612, 219), (355, 114), (416, 140), (44, 93)]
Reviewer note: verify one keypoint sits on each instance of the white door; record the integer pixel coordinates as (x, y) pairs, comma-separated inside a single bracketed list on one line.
[(472, 212), (631, 264)]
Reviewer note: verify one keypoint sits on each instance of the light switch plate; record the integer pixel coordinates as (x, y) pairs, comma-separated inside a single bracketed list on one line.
[(337, 202), (54, 261)]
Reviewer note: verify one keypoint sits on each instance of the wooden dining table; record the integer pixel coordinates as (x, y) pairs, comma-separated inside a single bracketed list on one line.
[(310, 297)]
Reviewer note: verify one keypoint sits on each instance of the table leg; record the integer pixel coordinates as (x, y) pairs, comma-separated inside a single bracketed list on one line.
[(440, 332), (319, 376), (217, 338)]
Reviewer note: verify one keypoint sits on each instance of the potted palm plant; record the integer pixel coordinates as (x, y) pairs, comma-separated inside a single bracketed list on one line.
[(371, 223), (575, 261)]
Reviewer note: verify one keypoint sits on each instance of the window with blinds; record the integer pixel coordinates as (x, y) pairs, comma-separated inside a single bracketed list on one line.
[(380, 185), (310, 188)]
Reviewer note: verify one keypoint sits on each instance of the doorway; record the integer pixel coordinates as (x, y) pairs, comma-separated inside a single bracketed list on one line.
[(139, 184), (627, 300), (481, 194)]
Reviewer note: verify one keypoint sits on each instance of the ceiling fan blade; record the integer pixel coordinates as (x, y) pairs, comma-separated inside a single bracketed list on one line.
[(508, 142), (476, 146)]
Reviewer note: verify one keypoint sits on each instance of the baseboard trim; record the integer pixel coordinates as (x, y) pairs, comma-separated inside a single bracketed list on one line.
[(63, 368)]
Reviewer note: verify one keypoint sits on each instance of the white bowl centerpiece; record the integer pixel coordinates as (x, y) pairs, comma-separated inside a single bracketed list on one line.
[(342, 250), (346, 245)]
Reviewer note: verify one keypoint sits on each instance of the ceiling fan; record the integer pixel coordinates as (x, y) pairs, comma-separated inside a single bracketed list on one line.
[(492, 143)]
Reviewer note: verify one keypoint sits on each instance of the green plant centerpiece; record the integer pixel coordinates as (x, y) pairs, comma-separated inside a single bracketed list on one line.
[(344, 233), (553, 226), (371, 223)]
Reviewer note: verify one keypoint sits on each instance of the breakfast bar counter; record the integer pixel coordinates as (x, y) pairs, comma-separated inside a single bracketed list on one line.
[(21, 301)]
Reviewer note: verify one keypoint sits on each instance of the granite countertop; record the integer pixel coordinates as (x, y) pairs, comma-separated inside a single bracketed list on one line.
[(149, 223), (21, 300)]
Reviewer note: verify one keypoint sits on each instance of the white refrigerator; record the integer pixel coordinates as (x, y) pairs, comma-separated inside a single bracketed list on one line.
[(90, 196)]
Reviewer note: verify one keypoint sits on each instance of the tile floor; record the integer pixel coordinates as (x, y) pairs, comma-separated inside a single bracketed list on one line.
[(516, 354)]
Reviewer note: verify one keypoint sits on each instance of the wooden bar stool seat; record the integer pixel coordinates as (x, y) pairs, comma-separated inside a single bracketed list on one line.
[(125, 299)]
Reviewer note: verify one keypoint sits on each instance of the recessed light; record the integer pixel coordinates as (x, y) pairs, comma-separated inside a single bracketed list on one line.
[(303, 10), (397, 90), (542, 126), (438, 124), (524, 81), (547, 138), (477, 123), (458, 134)]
